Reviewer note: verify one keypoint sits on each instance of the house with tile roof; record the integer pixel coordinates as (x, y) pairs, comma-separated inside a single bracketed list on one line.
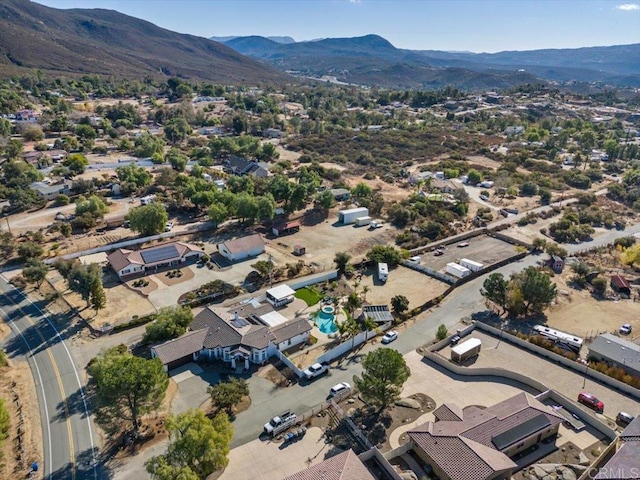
[(480, 444), (242, 248), (623, 465), (127, 262), (244, 334), (343, 466)]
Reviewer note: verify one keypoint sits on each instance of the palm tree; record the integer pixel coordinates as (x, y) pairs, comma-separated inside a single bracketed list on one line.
[(365, 290)]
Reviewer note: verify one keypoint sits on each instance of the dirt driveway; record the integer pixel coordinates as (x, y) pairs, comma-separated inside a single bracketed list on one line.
[(417, 287)]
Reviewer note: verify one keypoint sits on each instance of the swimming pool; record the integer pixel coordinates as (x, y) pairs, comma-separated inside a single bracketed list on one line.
[(325, 320)]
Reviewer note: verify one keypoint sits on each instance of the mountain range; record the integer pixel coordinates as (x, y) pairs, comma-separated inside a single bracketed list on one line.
[(105, 42), (372, 59)]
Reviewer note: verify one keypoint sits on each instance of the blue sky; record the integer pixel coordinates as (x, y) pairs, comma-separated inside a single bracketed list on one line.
[(470, 25)]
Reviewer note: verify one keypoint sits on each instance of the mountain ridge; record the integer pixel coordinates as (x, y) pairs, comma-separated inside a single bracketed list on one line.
[(106, 42)]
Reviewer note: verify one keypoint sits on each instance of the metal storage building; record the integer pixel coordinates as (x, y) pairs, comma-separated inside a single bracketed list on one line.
[(349, 216), (457, 271), (471, 265)]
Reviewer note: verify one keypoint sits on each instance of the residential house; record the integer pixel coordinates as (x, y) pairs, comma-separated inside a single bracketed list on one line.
[(340, 194), (131, 262), (242, 248), (51, 191), (617, 352), (481, 444), (242, 166), (27, 115), (378, 313), (34, 157), (286, 228), (444, 186), (623, 465), (514, 130), (272, 133), (247, 333), (181, 350), (621, 285), (343, 466)]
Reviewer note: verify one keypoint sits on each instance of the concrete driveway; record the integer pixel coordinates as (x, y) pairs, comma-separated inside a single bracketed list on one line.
[(267, 460)]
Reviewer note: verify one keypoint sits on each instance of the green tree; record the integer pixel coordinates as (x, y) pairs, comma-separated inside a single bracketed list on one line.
[(400, 304), (341, 259), (599, 285), (177, 129), (146, 145), (197, 443), (160, 469), (5, 127), (528, 189), (13, 149), (263, 267), (85, 280), (126, 387), (538, 291), (631, 255), (85, 131), (93, 205), (170, 322), (246, 207), (384, 254), (474, 177), (538, 244), (266, 207), (384, 373), (29, 250), (131, 173), (148, 219), (35, 272), (217, 213), (495, 289), (554, 249), (32, 132), (176, 159), (581, 271), (325, 200), (76, 163), (225, 395), (361, 190), (97, 297)]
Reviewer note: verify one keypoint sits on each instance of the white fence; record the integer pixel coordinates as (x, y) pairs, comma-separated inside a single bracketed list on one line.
[(313, 279), (346, 346)]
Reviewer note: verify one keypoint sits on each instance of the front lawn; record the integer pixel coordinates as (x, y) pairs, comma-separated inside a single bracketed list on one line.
[(309, 295)]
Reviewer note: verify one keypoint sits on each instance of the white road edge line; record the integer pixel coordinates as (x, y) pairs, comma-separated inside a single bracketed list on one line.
[(44, 396), (75, 371)]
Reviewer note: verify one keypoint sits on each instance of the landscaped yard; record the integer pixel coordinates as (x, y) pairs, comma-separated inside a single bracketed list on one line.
[(308, 295)]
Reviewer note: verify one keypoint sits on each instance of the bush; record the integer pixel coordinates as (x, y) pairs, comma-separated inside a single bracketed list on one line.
[(442, 332), (134, 322), (599, 285)]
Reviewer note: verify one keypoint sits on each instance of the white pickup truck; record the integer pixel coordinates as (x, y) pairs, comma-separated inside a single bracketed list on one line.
[(280, 423)]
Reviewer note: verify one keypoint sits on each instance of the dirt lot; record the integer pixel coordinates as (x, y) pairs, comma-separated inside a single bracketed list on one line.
[(579, 312), (323, 238), (19, 394), (417, 287), (484, 249)]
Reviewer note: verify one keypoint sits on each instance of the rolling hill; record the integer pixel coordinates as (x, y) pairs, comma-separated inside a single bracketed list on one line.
[(373, 60), (105, 42)]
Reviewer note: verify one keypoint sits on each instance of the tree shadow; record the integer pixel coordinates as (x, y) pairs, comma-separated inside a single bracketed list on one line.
[(74, 405), (89, 464)]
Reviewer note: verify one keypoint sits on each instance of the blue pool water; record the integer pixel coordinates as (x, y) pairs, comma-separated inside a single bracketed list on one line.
[(325, 323)]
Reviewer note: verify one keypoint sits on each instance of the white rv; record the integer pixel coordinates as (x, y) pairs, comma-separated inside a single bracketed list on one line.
[(383, 272)]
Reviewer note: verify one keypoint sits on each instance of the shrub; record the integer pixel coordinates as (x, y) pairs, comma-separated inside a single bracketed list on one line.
[(442, 332)]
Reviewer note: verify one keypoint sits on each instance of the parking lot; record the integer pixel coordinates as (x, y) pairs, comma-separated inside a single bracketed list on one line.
[(484, 249)]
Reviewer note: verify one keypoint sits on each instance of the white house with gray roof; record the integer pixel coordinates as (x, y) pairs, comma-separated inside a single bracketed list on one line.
[(617, 352)]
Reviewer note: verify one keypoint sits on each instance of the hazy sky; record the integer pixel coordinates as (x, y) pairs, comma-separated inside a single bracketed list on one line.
[(473, 25)]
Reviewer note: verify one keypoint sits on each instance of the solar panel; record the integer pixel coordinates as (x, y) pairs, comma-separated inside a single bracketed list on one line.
[(159, 254)]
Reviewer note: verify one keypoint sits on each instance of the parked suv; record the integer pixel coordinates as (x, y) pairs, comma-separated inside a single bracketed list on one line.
[(591, 402), (624, 418)]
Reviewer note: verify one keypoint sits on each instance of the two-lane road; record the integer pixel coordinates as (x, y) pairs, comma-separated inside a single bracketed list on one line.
[(69, 441)]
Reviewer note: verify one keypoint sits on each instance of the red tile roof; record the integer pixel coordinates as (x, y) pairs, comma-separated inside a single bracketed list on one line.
[(344, 466)]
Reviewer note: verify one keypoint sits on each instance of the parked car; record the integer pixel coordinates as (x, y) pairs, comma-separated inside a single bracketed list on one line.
[(484, 198), (390, 336), (591, 401), (626, 329), (624, 418), (439, 252), (168, 226), (454, 340), (338, 388), (463, 244), (315, 370)]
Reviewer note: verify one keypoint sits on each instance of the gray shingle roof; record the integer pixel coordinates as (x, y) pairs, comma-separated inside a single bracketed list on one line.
[(623, 465), (187, 344), (344, 466), (617, 350), (219, 332), (290, 329)]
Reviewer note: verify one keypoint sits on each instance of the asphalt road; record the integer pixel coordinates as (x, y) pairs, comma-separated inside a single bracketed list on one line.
[(69, 447)]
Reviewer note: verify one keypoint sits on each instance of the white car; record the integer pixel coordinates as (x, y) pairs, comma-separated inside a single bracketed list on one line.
[(168, 226), (484, 198), (340, 387), (390, 336), (315, 370), (625, 329), (463, 244)]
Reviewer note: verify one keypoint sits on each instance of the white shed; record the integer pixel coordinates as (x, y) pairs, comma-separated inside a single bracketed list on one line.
[(471, 265), (457, 271)]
